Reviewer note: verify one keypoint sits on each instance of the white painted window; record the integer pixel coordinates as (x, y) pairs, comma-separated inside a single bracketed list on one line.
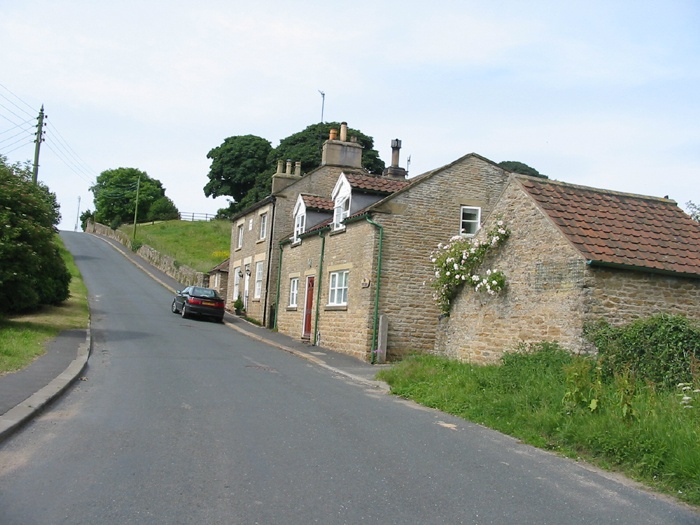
[(263, 226), (338, 288), (258, 279), (470, 221), (340, 213), (236, 282), (299, 225), (293, 291), (239, 239)]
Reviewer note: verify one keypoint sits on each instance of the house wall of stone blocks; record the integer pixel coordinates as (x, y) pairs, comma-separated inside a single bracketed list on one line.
[(415, 221), (347, 329), (551, 292)]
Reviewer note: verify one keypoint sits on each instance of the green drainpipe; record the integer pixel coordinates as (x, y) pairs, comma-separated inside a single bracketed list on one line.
[(318, 285), (376, 291), (277, 295)]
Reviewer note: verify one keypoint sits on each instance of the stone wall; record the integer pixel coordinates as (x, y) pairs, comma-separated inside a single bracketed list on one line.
[(551, 293), (416, 221), (347, 329), (183, 274)]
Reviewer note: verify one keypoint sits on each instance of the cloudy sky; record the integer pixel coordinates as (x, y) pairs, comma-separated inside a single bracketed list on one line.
[(599, 93)]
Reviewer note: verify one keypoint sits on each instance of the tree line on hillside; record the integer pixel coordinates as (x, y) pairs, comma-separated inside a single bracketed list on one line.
[(32, 271)]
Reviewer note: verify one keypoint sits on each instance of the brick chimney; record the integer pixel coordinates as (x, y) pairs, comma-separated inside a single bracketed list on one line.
[(338, 151), (394, 171)]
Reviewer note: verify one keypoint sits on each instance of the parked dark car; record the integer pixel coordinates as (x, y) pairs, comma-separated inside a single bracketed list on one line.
[(195, 300)]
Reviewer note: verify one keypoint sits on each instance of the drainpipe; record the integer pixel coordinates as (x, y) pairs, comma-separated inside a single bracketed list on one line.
[(376, 291), (277, 294), (271, 236), (318, 286)]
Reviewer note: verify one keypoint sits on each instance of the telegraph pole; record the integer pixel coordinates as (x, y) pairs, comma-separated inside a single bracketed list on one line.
[(136, 208), (77, 218), (323, 103), (39, 139)]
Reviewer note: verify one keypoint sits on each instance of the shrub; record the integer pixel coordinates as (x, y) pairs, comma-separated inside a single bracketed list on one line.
[(659, 349)]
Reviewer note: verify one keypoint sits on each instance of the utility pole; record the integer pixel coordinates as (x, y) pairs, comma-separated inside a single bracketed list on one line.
[(323, 103), (77, 217), (136, 208), (39, 139)]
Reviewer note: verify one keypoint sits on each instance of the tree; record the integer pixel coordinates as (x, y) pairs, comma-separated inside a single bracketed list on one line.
[(243, 166), (520, 167), (693, 210), (115, 197), (32, 271)]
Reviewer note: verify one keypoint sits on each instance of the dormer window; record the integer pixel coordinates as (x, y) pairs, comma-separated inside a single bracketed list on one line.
[(340, 213), (299, 219)]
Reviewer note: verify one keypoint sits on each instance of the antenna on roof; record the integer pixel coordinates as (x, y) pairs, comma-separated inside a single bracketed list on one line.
[(408, 163), (323, 103)]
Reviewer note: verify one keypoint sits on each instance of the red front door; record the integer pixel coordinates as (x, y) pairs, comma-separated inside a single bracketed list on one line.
[(308, 307)]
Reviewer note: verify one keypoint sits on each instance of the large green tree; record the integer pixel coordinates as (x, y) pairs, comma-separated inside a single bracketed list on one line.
[(520, 167), (32, 271), (115, 197), (242, 166)]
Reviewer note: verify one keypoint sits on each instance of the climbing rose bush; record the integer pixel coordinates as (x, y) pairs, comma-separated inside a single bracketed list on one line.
[(459, 262)]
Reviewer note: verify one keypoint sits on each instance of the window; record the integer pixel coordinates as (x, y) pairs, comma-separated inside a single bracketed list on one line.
[(236, 282), (239, 240), (338, 288), (293, 291), (341, 212), (299, 225), (471, 218), (258, 279), (263, 226)]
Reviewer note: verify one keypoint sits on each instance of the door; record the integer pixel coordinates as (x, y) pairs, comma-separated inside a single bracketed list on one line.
[(308, 307)]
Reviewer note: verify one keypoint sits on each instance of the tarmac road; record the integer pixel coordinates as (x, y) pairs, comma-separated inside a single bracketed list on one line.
[(187, 421)]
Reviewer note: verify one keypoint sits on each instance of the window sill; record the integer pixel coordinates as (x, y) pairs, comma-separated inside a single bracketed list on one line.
[(338, 231), (292, 308), (336, 307)]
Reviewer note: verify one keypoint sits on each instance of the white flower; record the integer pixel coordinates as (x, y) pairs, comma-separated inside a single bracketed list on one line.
[(488, 272), (456, 266), (475, 278), (447, 273), (500, 223), (437, 274)]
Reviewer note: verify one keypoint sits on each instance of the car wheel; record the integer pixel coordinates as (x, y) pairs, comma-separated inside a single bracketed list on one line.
[(184, 312), (173, 307)]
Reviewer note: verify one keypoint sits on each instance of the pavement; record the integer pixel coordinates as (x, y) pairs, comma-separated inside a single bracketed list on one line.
[(26, 393)]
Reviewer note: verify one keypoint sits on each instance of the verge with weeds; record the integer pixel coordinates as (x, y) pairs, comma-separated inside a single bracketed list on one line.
[(23, 338), (551, 399)]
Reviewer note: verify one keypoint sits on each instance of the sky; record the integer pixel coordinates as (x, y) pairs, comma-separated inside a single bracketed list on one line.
[(597, 93)]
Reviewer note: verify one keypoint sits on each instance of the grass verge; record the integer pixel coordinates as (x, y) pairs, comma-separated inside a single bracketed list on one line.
[(23, 338), (553, 400), (201, 245)]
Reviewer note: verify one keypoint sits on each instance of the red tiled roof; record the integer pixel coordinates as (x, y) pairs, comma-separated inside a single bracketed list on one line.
[(373, 183), (317, 203), (621, 229)]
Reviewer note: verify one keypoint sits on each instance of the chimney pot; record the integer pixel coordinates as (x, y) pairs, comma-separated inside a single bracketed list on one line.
[(289, 167), (297, 168), (395, 148), (333, 134), (280, 163), (344, 131)]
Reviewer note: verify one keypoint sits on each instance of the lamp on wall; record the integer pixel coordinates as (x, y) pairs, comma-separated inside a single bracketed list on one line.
[(247, 272), (240, 274)]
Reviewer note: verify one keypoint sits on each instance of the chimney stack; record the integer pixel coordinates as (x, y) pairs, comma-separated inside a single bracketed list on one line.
[(341, 152), (393, 171)]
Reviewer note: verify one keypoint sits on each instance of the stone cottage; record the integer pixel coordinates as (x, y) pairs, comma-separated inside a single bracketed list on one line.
[(257, 231), (575, 255), (356, 280)]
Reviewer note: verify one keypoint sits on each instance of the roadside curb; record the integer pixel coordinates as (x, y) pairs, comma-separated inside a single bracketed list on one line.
[(14, 418)]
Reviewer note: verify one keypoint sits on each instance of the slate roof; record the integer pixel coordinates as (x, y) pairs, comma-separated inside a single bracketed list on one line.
[(620, 229), (373, 183), (315, 202), (221, 267)]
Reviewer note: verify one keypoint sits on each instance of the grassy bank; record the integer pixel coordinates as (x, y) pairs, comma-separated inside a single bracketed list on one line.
[(201, 245), (23, 337), (540, 398)]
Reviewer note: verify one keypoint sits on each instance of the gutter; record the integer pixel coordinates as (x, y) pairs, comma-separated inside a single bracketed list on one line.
[(279, 277), (621, 266), (273, 200)]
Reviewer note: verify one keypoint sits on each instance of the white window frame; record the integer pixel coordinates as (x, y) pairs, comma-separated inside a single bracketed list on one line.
[(293, 291), (340, 213), (338, 288), (258, 279), (476, 224), (299, 225), (236, 282), (263, 226), (239, 240)]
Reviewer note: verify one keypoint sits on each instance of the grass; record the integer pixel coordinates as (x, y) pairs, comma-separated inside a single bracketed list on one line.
[(201, 245), (23, 338), (541, 398)]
